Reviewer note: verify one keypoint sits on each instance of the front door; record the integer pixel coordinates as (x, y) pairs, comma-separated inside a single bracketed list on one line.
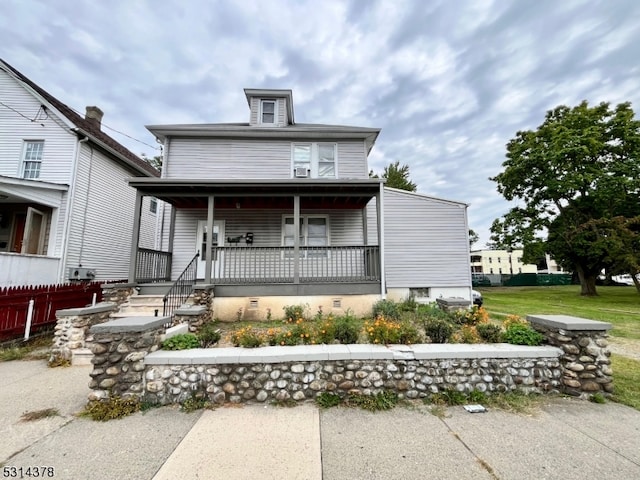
[(201, 246)]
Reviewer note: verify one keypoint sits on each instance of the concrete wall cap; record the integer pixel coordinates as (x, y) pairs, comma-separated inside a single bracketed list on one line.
[(130, 324), (118, 285), (190, 310), (567, 322), (97, 308)]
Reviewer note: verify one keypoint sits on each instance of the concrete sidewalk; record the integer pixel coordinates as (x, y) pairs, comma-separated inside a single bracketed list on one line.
[(566, 439)]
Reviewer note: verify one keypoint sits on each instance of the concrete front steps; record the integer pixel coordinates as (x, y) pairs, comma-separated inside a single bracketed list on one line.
[(141, 306)]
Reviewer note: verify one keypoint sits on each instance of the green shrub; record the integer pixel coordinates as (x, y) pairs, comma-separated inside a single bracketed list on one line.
[(182, 341), (387, 309), (408, 305), (209, 335), (473, 317), (489, 332), (247, 337), (328, 400), (195, 402), (384, 400), (431, 310), (439, 330), (111, 409), (294, 312), (325, 331), (346, 329), (449, 397), (409, 334), (520, 334)]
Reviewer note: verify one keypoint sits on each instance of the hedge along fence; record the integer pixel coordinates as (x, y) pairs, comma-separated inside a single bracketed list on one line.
[(127, 362)]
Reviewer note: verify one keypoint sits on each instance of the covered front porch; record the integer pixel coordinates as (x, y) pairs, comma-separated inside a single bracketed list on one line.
[(254, 249), (29, 215)]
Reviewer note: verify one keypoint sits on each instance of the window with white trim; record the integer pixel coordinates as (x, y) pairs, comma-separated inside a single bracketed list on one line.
[(314, 232), (268, 111), (32, 159), (318, 160)]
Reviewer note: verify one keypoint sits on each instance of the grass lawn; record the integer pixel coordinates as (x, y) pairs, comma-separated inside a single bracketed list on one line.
[(619, 306)]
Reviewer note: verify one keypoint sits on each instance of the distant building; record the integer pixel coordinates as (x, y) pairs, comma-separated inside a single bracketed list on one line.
[(500, 262)]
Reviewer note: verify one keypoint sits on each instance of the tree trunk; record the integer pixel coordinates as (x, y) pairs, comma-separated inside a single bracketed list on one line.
[(634, 276), (587, 281)]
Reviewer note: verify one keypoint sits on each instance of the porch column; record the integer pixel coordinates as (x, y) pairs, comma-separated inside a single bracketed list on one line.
[(209, 243), (365, 233), (172, 232), (133, 257), (296, 239), (380, 217)]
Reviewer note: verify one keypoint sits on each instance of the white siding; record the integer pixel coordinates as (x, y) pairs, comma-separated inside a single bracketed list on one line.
[(426, 241), (251, 159), (59, 143), (102, 219), (345, 228)]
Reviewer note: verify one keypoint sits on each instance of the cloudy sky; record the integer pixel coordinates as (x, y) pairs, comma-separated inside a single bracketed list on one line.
[(449, 82)]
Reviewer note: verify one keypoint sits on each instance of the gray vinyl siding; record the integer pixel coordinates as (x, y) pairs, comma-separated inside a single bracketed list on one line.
[(102, 218), (426, 241), (251, 159), (59, 143), (345, 229), (352, 159)]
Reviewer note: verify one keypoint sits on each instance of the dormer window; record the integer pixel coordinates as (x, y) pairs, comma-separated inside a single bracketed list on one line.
[(268, 111)]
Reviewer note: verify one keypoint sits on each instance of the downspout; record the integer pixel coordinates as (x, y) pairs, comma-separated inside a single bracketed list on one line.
[(466, 227), (86, 207), (69, 213)]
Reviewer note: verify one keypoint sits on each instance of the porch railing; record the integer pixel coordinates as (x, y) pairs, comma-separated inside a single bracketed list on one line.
[(251, 265), (153, 266), (181, 288)]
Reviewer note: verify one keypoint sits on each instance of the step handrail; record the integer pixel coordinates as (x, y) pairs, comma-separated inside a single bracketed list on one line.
[(181, 288)]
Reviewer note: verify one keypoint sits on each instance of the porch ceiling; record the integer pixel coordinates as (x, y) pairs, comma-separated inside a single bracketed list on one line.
[(261, 194)]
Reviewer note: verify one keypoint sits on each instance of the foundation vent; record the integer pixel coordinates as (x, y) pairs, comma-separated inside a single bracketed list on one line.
[(337, 303), (253, 303)]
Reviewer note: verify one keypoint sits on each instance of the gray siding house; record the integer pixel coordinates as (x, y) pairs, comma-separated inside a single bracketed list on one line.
[(295, 218), (66, 210)]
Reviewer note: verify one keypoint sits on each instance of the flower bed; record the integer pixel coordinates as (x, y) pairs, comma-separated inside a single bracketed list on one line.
[(392, 323)]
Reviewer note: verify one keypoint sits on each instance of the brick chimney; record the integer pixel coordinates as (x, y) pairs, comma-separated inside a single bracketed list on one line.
[(94, 115)]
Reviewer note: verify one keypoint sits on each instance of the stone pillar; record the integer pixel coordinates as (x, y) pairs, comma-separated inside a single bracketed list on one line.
[(203, 295), (451, 305), (71, 338), (586, 366), (119, 348), (117, 293), (193, 315)]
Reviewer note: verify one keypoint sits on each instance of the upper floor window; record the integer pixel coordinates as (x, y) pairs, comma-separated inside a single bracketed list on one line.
[(315, 160), (32, 159), (268, 111)]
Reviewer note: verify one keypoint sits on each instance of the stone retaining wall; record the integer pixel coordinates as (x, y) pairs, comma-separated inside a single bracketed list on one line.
[(119, 348), (117, 293), (72, 326), (247, 380), (585, 355), (126, 363)]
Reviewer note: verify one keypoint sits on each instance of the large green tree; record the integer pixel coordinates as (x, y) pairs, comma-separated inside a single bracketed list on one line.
[(397, 176), (568, 179)]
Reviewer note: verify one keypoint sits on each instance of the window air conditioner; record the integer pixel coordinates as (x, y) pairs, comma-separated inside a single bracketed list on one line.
[(301, 172)]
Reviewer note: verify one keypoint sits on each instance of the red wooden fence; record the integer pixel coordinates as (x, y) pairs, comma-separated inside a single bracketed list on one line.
[(14, 305)]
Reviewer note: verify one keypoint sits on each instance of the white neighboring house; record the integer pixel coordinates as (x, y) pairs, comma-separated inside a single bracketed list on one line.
[(296, 218), (66, 210)]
